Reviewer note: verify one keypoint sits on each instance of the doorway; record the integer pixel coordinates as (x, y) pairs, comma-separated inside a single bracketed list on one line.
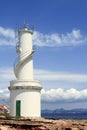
[(18, 108)]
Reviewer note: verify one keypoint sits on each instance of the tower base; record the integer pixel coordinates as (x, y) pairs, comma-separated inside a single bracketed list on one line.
[(25, 98)]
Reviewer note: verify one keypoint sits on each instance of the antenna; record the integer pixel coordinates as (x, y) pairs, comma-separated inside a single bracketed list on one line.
[(17, 27)]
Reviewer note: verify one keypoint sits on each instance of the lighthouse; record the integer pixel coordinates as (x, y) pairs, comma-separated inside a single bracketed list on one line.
[(25, 92)]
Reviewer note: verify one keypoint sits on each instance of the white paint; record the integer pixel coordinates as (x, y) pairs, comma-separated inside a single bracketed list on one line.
[(24, 66), (25, 39), (24, 83), (25, 71), (25, 88), (30, 102)]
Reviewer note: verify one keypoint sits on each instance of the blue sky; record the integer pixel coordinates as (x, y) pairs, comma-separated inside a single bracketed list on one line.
[(60, 39)]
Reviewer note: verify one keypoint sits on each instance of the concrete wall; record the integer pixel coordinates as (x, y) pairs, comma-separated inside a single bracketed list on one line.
[(30, 102), (25, 70)]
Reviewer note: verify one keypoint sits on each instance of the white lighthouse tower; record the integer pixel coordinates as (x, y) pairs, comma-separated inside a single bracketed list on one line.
[(25, 91)]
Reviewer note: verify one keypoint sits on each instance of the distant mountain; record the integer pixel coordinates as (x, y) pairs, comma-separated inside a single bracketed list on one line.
[(78, 113), (62, 110), (47, 111)]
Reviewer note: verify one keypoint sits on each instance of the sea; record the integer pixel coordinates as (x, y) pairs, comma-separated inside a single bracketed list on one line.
[(69, 114)]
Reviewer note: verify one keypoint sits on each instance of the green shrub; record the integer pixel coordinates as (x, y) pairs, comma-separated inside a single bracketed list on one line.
[(7, 116)]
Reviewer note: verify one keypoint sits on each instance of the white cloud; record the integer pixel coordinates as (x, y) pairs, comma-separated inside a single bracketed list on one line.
[(4, 93), (59, 76), (7, 36), (6, 75), (70, 95), (52, 95), (73, 38), (56, 95), (7, 32)]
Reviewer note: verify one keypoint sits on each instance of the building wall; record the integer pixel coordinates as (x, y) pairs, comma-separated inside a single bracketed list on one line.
[(30, 102), (25, 72), (25, 39)]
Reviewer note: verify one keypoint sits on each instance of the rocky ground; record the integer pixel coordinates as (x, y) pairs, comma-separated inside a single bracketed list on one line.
[(42, 124)]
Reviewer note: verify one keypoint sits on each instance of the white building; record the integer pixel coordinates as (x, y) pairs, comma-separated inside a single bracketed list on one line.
[(25, 91)]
